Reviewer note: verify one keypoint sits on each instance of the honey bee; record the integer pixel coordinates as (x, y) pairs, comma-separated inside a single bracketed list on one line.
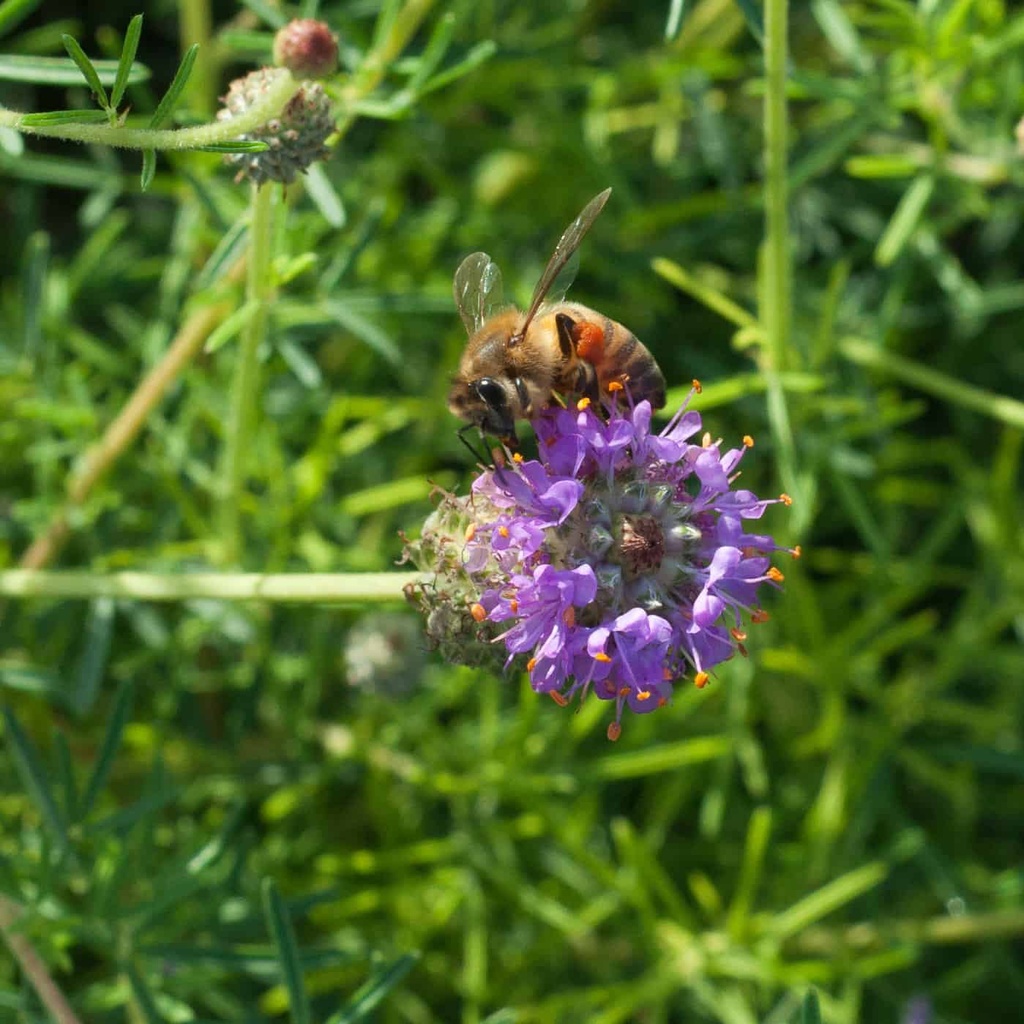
[(515, 364)]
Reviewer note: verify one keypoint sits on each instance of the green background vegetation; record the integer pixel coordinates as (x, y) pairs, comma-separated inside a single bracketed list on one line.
[(202, 813)]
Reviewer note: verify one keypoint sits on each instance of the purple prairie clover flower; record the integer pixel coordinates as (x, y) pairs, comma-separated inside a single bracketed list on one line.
[(616, 563)]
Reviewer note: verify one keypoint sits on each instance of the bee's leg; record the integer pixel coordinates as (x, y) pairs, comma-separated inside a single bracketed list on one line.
[(587, 383), (479, 454)]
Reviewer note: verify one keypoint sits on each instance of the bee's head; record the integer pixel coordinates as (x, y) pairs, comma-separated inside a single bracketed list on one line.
[(487, 404)]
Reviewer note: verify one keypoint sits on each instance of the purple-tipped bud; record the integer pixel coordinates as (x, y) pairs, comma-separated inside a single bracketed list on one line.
[(307, 48)]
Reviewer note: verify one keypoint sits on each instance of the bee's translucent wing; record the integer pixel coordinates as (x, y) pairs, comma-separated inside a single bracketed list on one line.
[(562, 266), (477, 290)]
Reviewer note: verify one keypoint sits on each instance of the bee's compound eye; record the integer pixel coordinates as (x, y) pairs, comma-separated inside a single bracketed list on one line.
[(490, 391)]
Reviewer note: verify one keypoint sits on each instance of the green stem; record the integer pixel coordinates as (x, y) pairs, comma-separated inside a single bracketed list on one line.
[(776, 290), (269, 105), (274, 588), (196, 26), (990, 403), (241, 424), (32, 966), (377, 62), (777, 269)]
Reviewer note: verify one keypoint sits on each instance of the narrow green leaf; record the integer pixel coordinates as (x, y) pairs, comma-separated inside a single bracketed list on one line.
[(319, 188), (235, 146), (478, 55), (13, 12), (810, 1012), (61, 71), (232, 243), (433, 53), (124, 65), (837, 28), (42, 682), (257, 960), (170, 99), (904, 220), (119, 714), (77, 54), (674, 22), (66, 776), (230, 328), (366, 330), (662, 757), (753, 17), (148, 168), (143, 998), (390, 494), (33, 777), (54, 117), (369, 995), (123, 821), (835, 894), (281, 931), (93, 662)]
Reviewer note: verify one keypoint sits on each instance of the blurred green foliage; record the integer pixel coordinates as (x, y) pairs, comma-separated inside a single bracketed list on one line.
[(204, 818)]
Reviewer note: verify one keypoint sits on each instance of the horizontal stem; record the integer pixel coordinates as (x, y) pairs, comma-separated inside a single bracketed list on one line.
[(268, 106), (298, 587)]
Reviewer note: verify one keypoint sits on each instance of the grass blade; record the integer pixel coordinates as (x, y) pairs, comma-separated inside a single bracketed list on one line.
[(235, 146), (98, 631), (61, 71), (753, 18), (810, 1012), (148, 168), (33, 777), (111, 741), (124, 65), (674, 22), (170, 99), (142, 999), (904, 221), (829, 897), (281, 931), (77, 54), (379, 984), (13, 12), (53, 117)]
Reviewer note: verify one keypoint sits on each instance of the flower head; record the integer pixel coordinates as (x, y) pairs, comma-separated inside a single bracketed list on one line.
[(295, 138), (616, 564)]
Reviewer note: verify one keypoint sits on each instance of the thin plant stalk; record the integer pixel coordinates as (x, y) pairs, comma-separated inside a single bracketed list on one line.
[(778, 285), (196, 26), (32, 965), (776, 262), (271, 588), (245, 386)]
